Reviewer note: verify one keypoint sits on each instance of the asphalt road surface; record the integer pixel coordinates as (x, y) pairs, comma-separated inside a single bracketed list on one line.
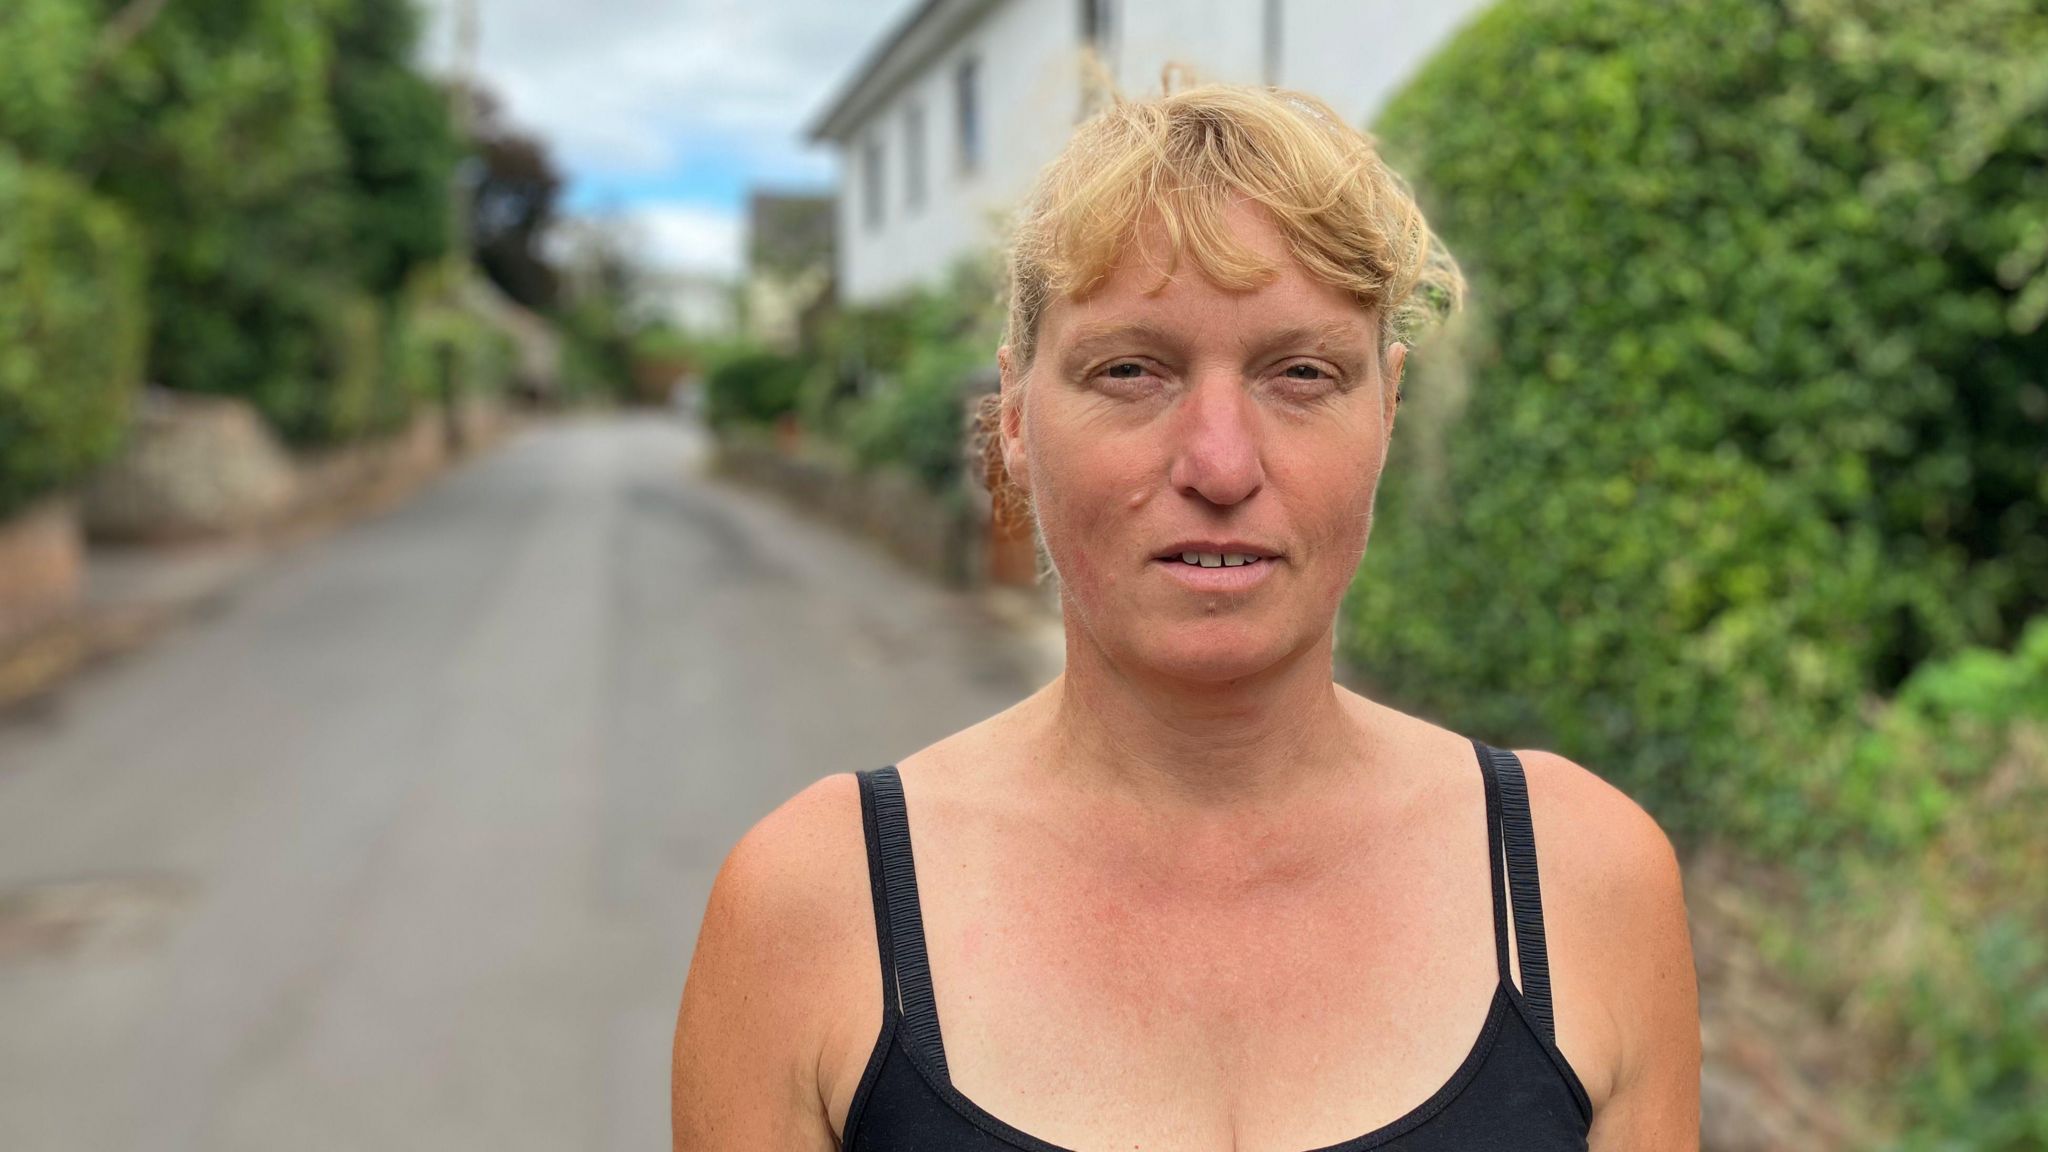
[(403, 844)]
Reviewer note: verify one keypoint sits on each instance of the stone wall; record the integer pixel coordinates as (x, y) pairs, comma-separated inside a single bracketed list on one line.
[(208, 466), (42, 568), (194, 466), (931, 533)]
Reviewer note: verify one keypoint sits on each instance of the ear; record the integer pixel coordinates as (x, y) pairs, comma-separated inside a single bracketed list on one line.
[(1010, 420), (1395, 360)]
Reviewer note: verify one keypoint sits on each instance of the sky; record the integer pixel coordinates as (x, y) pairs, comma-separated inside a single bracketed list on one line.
[(667, 112)]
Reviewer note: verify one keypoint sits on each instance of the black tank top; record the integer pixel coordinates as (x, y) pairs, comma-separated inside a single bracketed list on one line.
[(1514, 1089)]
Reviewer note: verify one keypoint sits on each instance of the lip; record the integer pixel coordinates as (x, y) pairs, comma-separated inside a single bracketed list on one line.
[(1173, 551), (1242, 578)]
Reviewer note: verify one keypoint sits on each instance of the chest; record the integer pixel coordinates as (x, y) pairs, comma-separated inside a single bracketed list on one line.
[(1098, 1002)]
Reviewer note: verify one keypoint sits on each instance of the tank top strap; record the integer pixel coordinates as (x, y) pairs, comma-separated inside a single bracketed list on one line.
[(899, 922), (1511, 835)]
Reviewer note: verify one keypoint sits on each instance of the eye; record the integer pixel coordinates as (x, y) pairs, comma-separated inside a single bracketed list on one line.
[(1306, 379), (1126, 378)]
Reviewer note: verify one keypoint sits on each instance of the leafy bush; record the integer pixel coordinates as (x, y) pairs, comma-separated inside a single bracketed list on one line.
[(911, 362), (1753, 417), (752, 387), (214, 131), (280, 161), (440, 349), (71, 329), (1940, 866), (48, 47), (1747, 429), (917, 421)]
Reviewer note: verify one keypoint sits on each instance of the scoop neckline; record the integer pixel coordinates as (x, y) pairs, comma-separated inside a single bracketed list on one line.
[(1497, 1012)]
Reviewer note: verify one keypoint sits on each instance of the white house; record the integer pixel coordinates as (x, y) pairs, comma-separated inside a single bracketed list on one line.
[(942, 127)]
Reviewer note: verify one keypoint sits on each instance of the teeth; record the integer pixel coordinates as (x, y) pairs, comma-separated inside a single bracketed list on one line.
[(1190, 558), (1210, 559), (1218, 559)]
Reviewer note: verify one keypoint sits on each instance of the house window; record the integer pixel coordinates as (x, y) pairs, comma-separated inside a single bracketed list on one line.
[(871, 180), (913, 157), (1098, 52), (967, 114), (1098, 23)]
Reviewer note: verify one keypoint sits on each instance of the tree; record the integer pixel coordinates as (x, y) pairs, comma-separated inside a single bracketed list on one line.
[(512, 206), (400, 147)]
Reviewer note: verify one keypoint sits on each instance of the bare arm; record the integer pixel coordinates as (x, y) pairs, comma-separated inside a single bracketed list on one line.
[(767, 1012), (1627, 934)]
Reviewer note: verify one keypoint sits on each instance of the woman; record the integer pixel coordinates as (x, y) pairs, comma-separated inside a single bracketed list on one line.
[(1193, 894)]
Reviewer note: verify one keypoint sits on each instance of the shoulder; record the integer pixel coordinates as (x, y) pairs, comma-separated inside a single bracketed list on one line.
[(797, 859), (792, 896), (1599, 833), (784, 987), (1620, 948)]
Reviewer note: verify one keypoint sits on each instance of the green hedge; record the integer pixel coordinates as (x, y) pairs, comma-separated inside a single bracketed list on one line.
[(914, 359), (48, 48), (1748, 430), (1950, 789), (439, 348), (752, 386), (71, 329), (1750, 418)]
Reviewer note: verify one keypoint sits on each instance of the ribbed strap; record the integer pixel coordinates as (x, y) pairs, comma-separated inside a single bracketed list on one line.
[(1519, 836), (878, 896), (1493, 853), (898, 913)]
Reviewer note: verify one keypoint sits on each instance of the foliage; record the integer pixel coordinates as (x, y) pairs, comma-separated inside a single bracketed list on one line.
[(513, 204), (71, 329), (752, 387), (917, 421), (285, 168), (911, 363), (1754, 412), (1933, 888), (49, 47), (214, 130), (440, 348), (1749, 428), (401, 148)]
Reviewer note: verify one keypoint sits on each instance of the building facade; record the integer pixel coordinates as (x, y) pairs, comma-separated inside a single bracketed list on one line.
[(944, 124)]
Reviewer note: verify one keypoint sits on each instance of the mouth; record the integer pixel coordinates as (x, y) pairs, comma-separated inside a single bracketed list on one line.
[(1215, 559), (1216, 554), (1217, 566)]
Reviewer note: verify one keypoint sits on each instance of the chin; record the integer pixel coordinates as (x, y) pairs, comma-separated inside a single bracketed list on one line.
[(1214, 651)]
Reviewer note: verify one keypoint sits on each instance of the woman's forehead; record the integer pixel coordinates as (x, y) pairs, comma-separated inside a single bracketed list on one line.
[(1138, 305), (1155, 287)]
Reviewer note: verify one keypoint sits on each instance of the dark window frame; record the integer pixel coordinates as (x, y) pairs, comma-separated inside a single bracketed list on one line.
[(967, 105), (873, 160), (916, 177)]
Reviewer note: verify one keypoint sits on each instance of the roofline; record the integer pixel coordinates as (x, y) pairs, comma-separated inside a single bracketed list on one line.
[(883, 70)]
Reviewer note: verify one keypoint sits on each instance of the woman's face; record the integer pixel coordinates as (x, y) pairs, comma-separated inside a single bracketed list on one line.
[(1244, 431)]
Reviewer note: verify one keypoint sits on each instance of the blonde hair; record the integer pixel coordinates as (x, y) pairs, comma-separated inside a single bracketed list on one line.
[(1178, 161)]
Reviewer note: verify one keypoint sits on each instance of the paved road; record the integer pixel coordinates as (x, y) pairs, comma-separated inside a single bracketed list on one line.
[(404, 844)]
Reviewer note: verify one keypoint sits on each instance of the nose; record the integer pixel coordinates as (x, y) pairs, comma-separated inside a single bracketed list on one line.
[(1216, 448)]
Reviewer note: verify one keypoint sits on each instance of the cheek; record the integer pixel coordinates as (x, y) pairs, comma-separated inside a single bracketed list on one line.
[(1333, 492), (1087, 489)]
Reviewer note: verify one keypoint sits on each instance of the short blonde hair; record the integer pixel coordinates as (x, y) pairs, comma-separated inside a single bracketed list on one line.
[(1178, 161)]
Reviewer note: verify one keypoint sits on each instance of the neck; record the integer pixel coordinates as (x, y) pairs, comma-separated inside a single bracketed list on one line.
[(1258, 739)]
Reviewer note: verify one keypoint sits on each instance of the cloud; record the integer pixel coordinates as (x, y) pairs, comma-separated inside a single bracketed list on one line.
[(688, 237), (632, 91)]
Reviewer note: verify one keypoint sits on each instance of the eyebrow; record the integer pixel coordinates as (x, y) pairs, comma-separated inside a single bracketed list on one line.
[(1089, 338), (1339, 332)]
